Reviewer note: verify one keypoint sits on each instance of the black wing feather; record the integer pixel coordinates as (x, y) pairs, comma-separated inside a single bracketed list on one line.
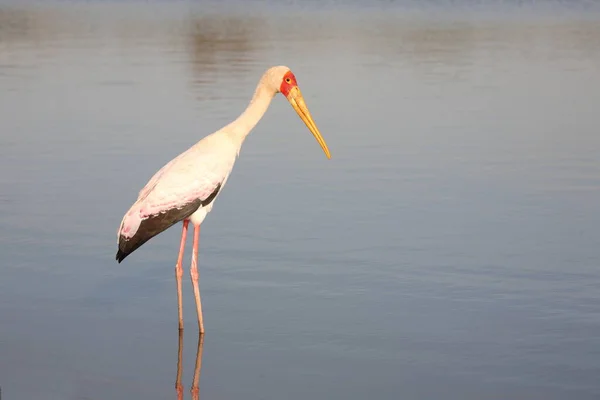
[(158, 223)]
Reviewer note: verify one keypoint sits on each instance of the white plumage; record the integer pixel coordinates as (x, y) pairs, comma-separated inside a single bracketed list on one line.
[(185, 188)]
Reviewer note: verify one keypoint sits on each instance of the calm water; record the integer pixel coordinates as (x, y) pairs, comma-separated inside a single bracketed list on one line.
[(449, 249)]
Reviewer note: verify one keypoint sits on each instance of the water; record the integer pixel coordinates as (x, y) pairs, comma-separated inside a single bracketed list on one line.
[(448, 250)]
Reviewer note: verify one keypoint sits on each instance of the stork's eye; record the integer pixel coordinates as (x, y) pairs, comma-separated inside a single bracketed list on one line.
[(288, 80)]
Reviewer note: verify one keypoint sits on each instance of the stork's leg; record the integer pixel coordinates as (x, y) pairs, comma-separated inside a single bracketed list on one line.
[(194, 275), (179, 273)]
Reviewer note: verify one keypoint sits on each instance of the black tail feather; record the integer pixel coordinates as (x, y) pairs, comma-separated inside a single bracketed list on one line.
[(121, 255)]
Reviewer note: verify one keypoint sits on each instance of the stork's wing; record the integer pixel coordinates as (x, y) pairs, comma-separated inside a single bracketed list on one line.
[(152, 182), (189, 182)]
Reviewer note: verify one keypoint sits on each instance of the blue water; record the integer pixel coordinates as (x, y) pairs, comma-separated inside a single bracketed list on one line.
[(449, 249)]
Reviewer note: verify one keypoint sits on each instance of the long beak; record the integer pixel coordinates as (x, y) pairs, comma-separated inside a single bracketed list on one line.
[(297, 101)]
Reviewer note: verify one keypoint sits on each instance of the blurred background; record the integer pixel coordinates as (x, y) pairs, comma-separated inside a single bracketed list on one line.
[(449, 249)]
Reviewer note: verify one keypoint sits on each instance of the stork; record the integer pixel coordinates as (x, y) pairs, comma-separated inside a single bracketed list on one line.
[(186, 188)]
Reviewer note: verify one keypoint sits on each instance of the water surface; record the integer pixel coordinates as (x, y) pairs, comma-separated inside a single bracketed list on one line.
[(448, 250)]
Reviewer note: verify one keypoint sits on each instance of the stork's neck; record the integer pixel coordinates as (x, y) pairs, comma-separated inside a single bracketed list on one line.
[(241, 127)]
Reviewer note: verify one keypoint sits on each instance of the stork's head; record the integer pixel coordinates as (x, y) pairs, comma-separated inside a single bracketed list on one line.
[(281, 79)]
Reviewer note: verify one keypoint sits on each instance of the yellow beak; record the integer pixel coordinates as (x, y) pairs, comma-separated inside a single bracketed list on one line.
[(297, 101)]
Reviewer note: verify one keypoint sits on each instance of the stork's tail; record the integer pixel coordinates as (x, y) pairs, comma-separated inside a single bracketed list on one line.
[(121, 255)]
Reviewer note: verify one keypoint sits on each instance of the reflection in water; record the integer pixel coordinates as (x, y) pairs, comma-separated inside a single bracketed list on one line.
[(433, 47), (216, 41), (236, 41), (24, 25), (222, 39), (195, 388), (476, 140)]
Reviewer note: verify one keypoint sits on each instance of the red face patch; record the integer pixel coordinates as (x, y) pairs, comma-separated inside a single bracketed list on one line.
[(288, 82)]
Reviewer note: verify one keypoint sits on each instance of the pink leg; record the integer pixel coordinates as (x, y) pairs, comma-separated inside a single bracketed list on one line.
[(179, 273), (194, 275)]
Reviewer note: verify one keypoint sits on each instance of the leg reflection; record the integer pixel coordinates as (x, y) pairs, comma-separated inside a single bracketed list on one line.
[(178, 385), (195, 390)]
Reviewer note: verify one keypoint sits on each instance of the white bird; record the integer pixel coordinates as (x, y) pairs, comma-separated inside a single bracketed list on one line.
[(185, 188)]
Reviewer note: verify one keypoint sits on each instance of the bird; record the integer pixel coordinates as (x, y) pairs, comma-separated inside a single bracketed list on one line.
[(185, 189)]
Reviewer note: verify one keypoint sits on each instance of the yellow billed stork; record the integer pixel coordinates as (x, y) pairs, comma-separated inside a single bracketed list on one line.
[(185, 189)]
